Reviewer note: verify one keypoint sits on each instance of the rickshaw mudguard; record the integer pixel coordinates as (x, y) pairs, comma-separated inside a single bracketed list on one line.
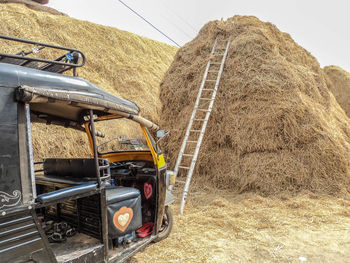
[(161, 196), (169, 198)]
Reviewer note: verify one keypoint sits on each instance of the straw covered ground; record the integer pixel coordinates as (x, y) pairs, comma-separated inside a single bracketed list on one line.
[(125, 64), (275, 126), (339, 84), (220, 227), (275, 130)]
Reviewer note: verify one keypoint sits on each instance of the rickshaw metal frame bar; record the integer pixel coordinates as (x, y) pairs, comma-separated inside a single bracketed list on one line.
[(30, 149), (47, 245), (28, 188), (26, 59), (101, 187), (94, 144)]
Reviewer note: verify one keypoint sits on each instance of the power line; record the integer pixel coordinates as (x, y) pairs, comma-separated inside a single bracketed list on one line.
[(144, 19), (176, 26), (179, 17)]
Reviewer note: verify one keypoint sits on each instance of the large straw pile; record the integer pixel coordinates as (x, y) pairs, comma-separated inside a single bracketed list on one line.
[(120, 62), (35, 5), (339, 85), (274, 127)]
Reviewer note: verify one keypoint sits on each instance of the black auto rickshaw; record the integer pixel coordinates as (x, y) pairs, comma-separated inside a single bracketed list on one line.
[(99, 209)]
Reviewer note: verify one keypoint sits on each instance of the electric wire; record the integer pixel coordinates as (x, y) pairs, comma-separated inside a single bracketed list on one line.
[(171, 10), (144, 19), (177, 27)]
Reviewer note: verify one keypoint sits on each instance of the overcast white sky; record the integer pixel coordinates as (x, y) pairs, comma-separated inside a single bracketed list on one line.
[(320, 26)]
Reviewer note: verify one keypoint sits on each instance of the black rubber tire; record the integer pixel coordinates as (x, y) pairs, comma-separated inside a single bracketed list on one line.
[(167, 225)]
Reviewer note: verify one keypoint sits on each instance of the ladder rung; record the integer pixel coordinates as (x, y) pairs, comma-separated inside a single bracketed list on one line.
[(203, 109), (195, 130), (199, 119), (192, 141), (184, 167), (207, 89), (187, 154)]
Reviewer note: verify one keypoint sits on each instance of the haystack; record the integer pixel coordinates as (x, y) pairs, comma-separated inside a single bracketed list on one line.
[(275, 125), (35, 5), (339, 84), (125, 64)]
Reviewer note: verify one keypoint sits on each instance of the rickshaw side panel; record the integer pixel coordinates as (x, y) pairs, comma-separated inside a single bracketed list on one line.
[(21, 236), (10, 178), (22, 239)]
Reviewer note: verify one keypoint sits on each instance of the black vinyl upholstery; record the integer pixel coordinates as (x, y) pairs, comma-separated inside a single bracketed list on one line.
[(117, 198), (66, 192), (115, 194), (76, 167)]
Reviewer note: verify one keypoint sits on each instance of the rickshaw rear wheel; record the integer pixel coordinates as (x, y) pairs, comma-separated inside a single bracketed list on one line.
[(167, 225)]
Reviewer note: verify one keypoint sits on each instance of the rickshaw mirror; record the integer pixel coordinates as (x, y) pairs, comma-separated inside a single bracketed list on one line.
[(161, 134)]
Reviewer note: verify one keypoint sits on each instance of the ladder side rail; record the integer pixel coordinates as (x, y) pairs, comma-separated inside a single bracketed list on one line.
[(187, 134), (205, 122)]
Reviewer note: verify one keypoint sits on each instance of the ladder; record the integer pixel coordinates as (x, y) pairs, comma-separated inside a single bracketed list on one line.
[(191, 144)]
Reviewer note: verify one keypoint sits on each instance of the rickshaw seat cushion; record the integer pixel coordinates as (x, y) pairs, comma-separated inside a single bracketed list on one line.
[(66, 192), (115, 194), (123, 202), (73, 167)]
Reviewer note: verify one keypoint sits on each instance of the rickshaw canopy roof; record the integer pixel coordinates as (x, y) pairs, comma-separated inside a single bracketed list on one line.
[(60, 95)]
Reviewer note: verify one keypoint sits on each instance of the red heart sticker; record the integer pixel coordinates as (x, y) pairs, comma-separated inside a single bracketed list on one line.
[(147, 190)]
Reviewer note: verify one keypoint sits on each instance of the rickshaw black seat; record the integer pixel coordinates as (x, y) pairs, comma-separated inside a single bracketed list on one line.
[(70, 192), (73, 167)]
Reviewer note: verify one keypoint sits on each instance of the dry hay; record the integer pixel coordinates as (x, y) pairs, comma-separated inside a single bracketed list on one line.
[(339, 84), (274, 127), (220, 227), (35, 5), (120, 62)]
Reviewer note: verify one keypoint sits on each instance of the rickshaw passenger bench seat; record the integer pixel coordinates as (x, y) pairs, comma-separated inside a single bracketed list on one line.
[(123, 203), (78, 174)]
